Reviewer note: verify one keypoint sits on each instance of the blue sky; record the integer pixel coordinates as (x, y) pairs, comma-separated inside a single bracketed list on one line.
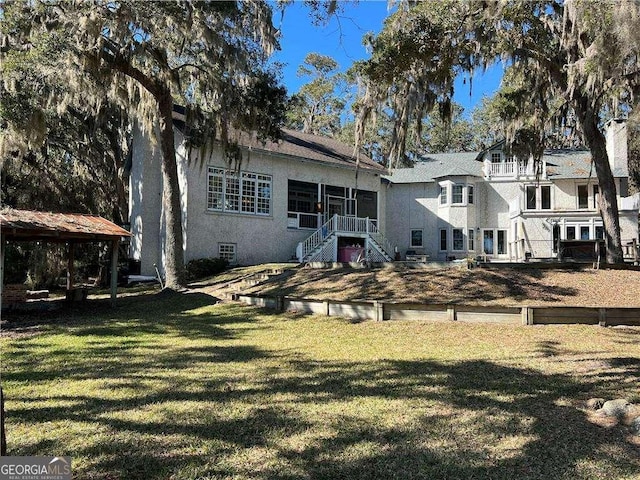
[(341, 39)]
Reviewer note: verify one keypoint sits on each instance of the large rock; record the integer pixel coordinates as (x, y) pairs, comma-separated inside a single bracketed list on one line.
[(595, 403), (616, 408)]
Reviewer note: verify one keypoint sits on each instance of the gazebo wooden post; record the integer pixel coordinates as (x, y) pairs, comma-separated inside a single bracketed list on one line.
[(2, 250), (114, 271), (70, 269)]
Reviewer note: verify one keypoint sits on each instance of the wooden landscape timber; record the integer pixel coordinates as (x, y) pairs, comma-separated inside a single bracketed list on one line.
[(381, 311)]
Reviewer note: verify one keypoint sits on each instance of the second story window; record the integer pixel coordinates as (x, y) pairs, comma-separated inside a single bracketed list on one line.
[(545, 197), (456, 194), (538, 197), (443, 195), (583, 196), (531, 197)]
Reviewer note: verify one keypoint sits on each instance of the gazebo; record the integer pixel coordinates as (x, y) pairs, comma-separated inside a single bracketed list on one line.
[(33, 226)]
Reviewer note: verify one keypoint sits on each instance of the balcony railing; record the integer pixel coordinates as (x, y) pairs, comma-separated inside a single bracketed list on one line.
[(513, 170)]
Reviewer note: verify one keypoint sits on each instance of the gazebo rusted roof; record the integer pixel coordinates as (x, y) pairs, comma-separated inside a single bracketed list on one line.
[(30, 225)]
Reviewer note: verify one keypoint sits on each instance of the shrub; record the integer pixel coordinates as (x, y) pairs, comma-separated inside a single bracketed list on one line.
[(205, 267)]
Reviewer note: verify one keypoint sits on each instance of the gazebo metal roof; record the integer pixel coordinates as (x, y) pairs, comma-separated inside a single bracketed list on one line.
[(29, 225)]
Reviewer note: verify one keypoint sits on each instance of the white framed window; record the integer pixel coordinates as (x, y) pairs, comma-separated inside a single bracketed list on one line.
[(532, 198), (443, 194), (587, 196), (584, 230), (457, 194), (502, 242), (457, 236), (470, 194), (583, 196), (232, 192), (248, 192), (416, 238), (545, 197), (599, 232), (215, 192), (487, 242), (496, 157), (443, 240), (538, 197), (227, 251), (264, 194), (471, 240), (494, 241), (238, 192)]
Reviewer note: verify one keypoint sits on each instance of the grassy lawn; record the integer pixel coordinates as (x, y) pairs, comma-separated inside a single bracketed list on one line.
[(168, 386)]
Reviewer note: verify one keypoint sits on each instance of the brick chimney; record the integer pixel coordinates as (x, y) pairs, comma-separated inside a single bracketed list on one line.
[(616, 135)]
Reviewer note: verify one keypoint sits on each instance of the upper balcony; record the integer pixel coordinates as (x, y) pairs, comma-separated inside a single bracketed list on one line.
[(514, 170)]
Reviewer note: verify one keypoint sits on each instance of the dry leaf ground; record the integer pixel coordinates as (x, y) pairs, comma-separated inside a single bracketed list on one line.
[(478, 286)]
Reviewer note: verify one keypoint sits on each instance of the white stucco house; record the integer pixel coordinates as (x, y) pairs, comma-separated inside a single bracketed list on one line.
[(301, 199), (485, 204)]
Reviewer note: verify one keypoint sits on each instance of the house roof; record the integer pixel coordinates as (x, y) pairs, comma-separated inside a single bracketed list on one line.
[(432, 167), (300, 145), (438, 165), (30, 225), (311, 147), (574, 164)]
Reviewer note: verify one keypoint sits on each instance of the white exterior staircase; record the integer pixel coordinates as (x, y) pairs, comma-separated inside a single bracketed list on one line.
[(322, 245)]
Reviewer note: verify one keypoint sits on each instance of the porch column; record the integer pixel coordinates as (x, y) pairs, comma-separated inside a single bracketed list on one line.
[(324, 207), (114, 271)]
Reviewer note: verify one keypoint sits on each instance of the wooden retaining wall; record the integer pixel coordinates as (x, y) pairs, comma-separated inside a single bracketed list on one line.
[(379, 311)]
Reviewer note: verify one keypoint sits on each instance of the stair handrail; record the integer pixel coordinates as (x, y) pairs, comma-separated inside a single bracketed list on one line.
[(316, 238), (379, 237), (342, 223)]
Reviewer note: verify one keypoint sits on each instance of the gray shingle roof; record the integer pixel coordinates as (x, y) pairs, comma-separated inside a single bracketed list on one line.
[(438, 165), (312, 147), (430, 168), (574, 164)]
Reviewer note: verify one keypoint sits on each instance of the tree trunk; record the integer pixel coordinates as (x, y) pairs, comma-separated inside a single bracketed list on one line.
[(608, 201), (174, 253)]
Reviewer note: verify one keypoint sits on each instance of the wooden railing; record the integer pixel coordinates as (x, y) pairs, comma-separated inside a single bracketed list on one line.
[(513, 169), (302, 220), (343, 224), (310, 244), (506, 169)]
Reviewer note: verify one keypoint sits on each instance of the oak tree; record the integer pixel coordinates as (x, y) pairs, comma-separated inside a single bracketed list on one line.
[(572, 57), (148, 56)]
